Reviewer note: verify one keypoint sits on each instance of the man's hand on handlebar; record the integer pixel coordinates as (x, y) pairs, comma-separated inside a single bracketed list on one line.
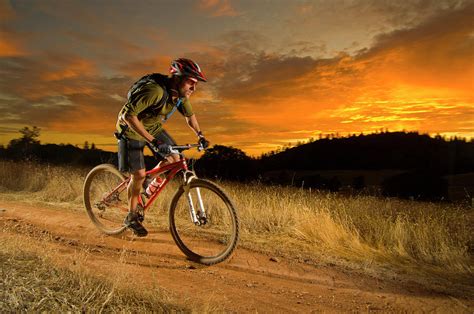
[(160, 147), (202, 140), (166, 149)]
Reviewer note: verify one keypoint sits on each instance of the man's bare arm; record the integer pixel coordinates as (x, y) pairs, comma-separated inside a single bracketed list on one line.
[(193, 124), (138, 127)]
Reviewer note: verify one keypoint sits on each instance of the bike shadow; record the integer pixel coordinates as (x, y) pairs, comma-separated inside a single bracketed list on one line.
[(151, 238), (133, 238), (180, 264), (155, 253)]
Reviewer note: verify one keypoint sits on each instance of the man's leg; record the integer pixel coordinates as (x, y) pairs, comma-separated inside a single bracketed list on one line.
[(168, 160), (132, 220), (134, 189), (137, 169)]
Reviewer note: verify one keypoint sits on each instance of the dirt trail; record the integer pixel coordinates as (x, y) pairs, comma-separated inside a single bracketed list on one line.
[(249, 282)]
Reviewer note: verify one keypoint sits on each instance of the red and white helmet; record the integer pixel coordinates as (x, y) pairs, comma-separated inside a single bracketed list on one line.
[(187, 67)]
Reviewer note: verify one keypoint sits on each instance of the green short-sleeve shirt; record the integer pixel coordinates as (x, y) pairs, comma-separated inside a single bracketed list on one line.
[(145, 105)]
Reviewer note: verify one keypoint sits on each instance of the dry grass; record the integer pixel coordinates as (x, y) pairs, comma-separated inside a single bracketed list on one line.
[(389, 238), (44, 183), (359, 228), (32, 282), (369, 233)]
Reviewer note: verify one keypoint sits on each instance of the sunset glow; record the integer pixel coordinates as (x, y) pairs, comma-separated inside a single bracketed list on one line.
[(279, 71)]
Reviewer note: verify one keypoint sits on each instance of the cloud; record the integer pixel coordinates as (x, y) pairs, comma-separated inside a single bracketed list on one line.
[(339, 23), (304, 8), (10, 46), (47, 74), (92, 30), (408, 13), (8, 130), (6, 11), (105, 40), (266, 77), (139, 67), (414, 77), (306, 48), (383, 15), (417, 78), (434, 115), (218, 8), (60, 93), (436, 53), (69, 68)]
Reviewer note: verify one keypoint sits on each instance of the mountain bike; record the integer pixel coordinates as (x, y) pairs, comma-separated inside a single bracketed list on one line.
[(202, 219)]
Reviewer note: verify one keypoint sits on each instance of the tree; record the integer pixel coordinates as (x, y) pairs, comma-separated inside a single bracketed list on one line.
[(29, 137), (24, 146), (86, 145), (226, 162), (221, 152)]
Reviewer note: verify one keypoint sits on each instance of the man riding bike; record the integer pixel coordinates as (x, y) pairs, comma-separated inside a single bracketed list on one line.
[(151, 101)]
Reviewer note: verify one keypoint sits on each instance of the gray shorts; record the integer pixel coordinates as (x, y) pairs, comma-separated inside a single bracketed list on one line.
[(130, 152)]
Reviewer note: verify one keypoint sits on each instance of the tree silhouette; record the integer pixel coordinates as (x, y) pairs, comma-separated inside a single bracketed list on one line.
[(226, 162), (29, 136), (222, 153), (419, 155), (24, 147)]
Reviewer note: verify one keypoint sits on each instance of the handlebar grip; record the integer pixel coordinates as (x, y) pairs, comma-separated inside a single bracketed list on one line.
[(175, 148)]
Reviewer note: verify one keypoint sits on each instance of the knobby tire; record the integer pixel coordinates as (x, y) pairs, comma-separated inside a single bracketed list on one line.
[(230, 243), (91, 184)]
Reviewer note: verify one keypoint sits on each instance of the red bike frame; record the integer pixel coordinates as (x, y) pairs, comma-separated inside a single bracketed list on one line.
[(173, 169)]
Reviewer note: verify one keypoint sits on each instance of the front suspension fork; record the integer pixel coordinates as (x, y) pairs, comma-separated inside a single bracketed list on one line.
[(197, 217)]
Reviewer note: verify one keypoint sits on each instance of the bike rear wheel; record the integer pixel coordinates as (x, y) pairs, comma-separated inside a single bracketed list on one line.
[(215, 239), (105, 198)]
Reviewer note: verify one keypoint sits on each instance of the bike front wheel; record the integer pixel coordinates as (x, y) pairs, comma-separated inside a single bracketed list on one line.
[(105, 198), (214, 238)]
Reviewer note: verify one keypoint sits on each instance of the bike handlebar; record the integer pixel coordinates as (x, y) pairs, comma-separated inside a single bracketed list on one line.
[(180, 148), (187, 146), (176, 149)]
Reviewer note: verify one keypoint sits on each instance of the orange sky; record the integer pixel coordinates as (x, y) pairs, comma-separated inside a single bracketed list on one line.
[(279, 71)]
